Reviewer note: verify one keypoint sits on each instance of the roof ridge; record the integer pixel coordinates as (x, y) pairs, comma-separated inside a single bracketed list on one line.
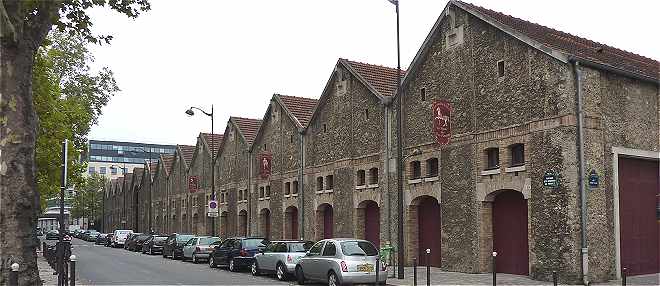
[(373, 65), (560, 32), (296, 96)]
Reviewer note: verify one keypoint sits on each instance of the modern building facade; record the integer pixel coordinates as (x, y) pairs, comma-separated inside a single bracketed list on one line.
[(536, 144), (114, 158)]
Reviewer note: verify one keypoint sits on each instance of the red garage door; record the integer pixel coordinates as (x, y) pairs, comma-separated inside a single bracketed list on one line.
[(638, 188), (372, 223), (510, 233), (429, 231)]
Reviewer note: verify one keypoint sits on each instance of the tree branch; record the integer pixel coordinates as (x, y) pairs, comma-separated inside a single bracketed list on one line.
[(7, 29)]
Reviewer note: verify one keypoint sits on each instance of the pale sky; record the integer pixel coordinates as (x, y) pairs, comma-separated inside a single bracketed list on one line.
[(236, 54)]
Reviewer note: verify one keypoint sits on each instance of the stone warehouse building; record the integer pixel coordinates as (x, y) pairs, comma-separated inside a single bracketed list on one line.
[(517, 138)]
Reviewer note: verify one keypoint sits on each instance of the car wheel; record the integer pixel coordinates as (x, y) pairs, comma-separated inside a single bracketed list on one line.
[(280, 272), (300, 276), (254, 268), (332, 279), (194, 259), (211, 262), (232, 266)]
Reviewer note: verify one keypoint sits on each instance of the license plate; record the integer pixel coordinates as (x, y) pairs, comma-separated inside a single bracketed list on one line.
[(365, 268)]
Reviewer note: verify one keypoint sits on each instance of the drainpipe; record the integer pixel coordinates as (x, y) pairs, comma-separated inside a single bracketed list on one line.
[(387, 102), (583, 195), (301, 184)]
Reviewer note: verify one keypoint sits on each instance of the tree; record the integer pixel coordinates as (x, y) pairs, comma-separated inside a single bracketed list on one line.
[(88, 199), (68, 98), (24, 25)]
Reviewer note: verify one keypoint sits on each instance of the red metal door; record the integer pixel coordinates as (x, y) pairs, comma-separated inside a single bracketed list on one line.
[(327, 222), (638, 188), (510, 233), (429, 231), (267, 224), (372, 223), (294, 223)]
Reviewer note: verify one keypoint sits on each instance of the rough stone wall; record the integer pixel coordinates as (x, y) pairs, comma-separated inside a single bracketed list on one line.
[(160, 200), (201, 167)]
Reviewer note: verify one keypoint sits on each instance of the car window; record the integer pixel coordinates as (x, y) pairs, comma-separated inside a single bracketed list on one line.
[(358, 248), (191, 241), (281, 247), (254, 242), (208, 240), (316, 249), (300, 246), (229, 243), (270, 247), (330, 249), (160, 238), (215, 243), (184, 238)]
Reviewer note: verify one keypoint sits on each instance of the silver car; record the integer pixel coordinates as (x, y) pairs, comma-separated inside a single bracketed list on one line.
[(280, 257), (199, 247), (341, 261)]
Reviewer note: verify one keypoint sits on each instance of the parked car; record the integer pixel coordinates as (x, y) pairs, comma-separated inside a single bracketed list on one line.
[(136, 243), (129, 240), (237, 252), (108, 240), (199, 247), (91, 235), (174, 245), (154, 244), (53, 235), (119, 237), (280, 258), (340, 261), (100, 240)]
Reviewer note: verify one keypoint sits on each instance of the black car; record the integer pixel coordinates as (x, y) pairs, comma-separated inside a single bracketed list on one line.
[(130, 238), (237, 252), (174, 245), (136, 242), (154, 244), (92, 235), (100, 239)]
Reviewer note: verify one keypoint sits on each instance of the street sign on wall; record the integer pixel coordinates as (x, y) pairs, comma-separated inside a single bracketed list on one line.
[(593, 179), (550, 179), (193, 184)]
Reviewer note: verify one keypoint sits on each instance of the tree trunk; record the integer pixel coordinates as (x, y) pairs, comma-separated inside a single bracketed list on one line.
[(19, 199)]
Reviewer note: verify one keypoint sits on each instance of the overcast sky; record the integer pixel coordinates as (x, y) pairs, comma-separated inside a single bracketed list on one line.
[(236, 54)]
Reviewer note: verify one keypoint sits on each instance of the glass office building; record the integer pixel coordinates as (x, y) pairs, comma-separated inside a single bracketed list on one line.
[(114, 158)]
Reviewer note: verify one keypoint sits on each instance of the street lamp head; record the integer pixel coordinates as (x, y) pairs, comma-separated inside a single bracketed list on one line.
[(190, 112)]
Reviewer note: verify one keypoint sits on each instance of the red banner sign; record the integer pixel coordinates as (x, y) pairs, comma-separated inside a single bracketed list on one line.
[(441, 121), (265, 161), (193, 184)]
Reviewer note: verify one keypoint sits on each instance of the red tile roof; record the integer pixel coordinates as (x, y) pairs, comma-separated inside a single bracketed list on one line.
[(152, 169), (248, 127), (382, 79), (187, 152), (217, 141), (167, 161), (574, 45), (302, 108)]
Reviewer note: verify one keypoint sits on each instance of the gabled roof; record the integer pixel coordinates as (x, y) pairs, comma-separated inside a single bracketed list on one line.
[(382, 79), (187, 152), (300, 109), (559, 45), (137, 176), (153, 168), (247, 127), (167, 160), (217, 140)]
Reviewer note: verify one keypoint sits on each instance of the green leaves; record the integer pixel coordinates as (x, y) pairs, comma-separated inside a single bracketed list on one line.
[(89, 197)]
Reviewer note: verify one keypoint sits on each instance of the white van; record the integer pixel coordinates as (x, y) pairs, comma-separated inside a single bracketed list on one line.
[(119, 237)]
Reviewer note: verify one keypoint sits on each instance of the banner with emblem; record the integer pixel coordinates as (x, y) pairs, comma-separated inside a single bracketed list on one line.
[(193, 184), (441, 121), (265, 160)]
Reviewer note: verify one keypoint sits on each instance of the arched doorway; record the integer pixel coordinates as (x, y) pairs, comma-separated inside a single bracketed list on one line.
[(325, 221), (510, 233), (429, 229), (242, 223), (291, 223), (264, 222), (369, 216), (224, 224)]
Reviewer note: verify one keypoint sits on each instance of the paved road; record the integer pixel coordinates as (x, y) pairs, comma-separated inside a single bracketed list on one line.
[(100, 265)]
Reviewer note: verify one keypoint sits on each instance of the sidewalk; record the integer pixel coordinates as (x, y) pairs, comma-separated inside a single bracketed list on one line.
[(439, 277), (46, 272)]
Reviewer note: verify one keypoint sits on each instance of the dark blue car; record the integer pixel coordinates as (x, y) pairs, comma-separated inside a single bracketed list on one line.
[(236, 252)]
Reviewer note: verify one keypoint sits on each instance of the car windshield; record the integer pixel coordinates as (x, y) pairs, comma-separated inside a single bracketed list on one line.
[(160, 238), (184, 238), (358, 248), (300, 246), (254, 242), (208, 240)]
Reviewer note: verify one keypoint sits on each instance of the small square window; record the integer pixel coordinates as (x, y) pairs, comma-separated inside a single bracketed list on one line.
[(415, 170), (102, 170), (493, 158), (267, 191), (287, 188), (319, 183), (329, 182), (422, 93), (92, 170), (366, 112), (295, 187), (373, 176), (361, 178), (261, 192), (517, 155), (500, 69), (432, 167), (324, 128)]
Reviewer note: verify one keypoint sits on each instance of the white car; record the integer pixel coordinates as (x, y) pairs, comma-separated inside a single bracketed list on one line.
[(119, 237)]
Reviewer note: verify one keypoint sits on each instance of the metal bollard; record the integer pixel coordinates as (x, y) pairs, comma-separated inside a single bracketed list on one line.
[(414, 271), (72, 258), (494, 269), (377, 270), (554, 278), (428, 267), (623, 276), (13, 275)]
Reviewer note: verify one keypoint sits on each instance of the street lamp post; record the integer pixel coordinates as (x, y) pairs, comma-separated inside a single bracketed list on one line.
[(190, 112)]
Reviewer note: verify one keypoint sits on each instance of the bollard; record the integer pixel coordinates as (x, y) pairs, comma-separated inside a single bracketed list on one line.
[(72, 258), (428, 267), (494, 269), (623, 276), (13, 275), (554, 278), (414, 271), (377, 270)]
